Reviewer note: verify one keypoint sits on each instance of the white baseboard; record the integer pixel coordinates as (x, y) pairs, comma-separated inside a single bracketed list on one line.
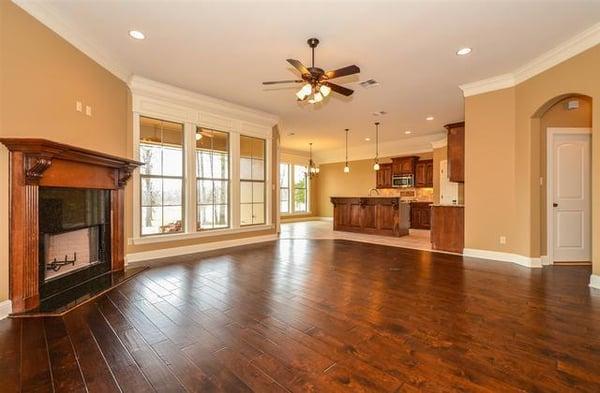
[(137, 258), (330, 219), (545, 260), (5, 309), (503, 257), (595, 281)]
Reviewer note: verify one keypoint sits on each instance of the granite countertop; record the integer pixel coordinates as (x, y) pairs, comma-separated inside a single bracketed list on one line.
[(447, 205)]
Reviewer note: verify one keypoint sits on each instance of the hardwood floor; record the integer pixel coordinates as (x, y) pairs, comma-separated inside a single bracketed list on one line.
[(318, 315)]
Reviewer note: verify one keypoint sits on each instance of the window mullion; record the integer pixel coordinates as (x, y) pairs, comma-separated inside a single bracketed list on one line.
[(234, 174), (189, 180)]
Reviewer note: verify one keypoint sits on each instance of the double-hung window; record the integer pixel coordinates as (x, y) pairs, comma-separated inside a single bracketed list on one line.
[(252, 180), (212, 177), (284, 188), (300, 189), (161, 178)]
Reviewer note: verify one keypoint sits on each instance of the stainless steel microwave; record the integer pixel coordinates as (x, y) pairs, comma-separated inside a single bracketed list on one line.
[(403, 181)]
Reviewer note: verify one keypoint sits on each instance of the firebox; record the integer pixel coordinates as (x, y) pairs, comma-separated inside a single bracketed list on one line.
[(74, 237)]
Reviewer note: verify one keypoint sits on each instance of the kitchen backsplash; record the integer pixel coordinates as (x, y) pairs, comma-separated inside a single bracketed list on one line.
[(420, 194)]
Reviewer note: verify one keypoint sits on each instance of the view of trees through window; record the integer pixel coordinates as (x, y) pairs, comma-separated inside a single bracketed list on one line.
[(300, 189), (161, 186), (212, 177)]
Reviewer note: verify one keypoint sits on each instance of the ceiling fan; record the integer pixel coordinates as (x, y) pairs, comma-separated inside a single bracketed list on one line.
[(316, 80)]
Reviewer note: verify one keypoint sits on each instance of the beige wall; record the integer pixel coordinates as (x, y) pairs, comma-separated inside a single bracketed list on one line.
[(503, 161), (41, 78), (332, 181)]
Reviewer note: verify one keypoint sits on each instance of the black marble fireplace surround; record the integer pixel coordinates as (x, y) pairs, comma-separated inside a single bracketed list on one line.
[(74, 238)]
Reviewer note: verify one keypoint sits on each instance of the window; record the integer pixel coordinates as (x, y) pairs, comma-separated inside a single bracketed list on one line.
[(284, 187), (161, 185), (212, 179), (252, 180), (300, 189)]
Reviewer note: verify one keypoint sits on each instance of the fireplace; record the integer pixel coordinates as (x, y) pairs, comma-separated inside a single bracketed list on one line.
[(66, 220), (74, 237)]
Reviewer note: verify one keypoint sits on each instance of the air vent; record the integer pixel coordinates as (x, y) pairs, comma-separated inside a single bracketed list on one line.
[(369, 83), (379, 113)]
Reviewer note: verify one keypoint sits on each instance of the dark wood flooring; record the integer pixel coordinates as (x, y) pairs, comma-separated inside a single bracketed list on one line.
[(318, 315)]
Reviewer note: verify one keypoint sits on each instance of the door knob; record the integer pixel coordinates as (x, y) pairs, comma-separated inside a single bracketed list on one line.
[(555, 204)]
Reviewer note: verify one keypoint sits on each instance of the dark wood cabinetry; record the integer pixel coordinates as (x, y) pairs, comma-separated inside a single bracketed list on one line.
[(456, 151), (420, 215), (374, 215), (447, 228), (424, 173), (384, 176), (402, 166)]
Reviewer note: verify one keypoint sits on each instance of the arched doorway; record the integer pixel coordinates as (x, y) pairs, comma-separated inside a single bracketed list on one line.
[(563, 125)]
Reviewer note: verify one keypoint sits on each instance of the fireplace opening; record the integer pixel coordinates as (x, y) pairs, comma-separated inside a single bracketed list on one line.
[(74, 237)]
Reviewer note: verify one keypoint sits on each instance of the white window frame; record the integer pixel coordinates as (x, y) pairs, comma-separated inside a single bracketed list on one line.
[(291, 160), (288, 187), (164, 102)]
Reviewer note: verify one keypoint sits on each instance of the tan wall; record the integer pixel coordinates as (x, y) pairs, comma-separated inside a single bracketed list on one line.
[(41, 78), (489, 170), (506, 118), (332, 181)]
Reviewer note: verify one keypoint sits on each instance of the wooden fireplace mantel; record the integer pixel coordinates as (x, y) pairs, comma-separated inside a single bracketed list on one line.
[(40, 162)]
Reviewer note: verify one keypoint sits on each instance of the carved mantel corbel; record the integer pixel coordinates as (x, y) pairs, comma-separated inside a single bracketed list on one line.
[(35, 165), (125, 174)]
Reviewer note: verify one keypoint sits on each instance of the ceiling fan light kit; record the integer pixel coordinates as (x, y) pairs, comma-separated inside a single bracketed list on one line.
[(316, 80)]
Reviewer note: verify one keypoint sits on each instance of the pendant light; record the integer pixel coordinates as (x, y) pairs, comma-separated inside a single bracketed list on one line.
[(346, 167), (376, 165), (313, 169)]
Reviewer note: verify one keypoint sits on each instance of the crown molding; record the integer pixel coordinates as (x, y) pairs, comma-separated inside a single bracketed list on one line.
[(145, 90), (568, 49), (43, 12), (406, 146)]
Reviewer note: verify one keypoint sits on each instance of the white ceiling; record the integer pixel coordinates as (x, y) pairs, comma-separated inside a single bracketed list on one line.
[(225, 49)]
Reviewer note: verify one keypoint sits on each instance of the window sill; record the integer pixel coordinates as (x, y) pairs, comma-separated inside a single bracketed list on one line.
[(194, 235)]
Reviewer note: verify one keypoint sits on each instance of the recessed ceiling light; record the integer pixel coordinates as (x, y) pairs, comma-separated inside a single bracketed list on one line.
[(138, 35), (408, 132), (379, 113), (291, 134), (463, 51), (429, 118), (367, 139)]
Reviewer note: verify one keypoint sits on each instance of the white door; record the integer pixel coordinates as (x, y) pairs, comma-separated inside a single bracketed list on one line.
[(571, 197), (448, 189)]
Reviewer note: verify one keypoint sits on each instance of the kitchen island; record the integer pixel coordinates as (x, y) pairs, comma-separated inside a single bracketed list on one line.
[(387, 216)]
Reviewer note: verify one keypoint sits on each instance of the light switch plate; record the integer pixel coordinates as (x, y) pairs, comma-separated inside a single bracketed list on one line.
[(78, 106), (88, 110)]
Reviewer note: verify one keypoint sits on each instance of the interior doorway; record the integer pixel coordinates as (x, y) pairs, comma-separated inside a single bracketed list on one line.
[(569, 197)]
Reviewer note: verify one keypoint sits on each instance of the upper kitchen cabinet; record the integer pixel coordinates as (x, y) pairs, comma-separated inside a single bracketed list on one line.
[(424, 173), (384, 176), (456, 151), (402, 166)]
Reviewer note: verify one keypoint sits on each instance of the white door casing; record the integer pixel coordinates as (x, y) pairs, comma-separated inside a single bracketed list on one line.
[(569, 194)]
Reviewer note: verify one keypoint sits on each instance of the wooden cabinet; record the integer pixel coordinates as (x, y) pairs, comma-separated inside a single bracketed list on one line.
[(420, 215), (456, 151), (447, 228), (424, 173), (402, 166), (384, 176), (374, 215)]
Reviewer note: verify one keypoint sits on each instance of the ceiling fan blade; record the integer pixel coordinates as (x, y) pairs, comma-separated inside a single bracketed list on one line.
[(299, 66), (339, 89), (342, 72), (288, 81)]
